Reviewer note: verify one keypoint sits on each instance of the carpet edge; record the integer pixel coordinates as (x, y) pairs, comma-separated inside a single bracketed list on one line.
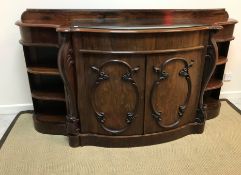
[(232, 105), (5, 135)]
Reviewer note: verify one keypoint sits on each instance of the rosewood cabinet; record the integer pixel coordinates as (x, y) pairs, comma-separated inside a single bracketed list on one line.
[(119, 78)]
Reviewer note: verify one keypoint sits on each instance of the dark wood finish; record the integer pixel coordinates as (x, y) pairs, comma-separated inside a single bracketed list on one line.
[(50, 118), (52, 124), (66, 64), (222, 60), (214, 84), (139, 51), (103, 75), (38, 44), (223, 39), (139, 140), (38, 36), (43, 70), (123, 90), (57, 96), (41, 56), (213, 106), (55, 18), (121, 70), (46, 83)]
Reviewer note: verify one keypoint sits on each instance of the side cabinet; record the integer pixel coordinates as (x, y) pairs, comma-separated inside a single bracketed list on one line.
[(41, 47), (212, 91)]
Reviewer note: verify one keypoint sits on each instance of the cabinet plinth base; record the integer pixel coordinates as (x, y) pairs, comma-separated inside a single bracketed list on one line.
[(213, 110), (135, 140), (48, 127)]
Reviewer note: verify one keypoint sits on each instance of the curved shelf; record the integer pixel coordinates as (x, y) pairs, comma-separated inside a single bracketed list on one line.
[(43, 70), (38, 44), (43, 95), (213, 107), (221, 60), (44, 25), (50, 124), (214, 84), (220, 40), (50, 118), (141, 51)]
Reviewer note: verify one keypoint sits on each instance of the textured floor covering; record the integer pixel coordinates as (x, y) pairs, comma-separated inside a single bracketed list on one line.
[(216, 152), (5, 121)]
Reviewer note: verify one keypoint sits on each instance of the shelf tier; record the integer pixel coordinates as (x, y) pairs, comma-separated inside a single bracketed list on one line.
[(50, 124), (221, 60), (214, 84), (213, 107), (43, 95), (38, 44), (219, 40), (43, 71)]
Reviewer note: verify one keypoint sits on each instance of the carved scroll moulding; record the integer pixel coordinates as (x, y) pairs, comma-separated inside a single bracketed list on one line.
[(127, 77), (163, 75)]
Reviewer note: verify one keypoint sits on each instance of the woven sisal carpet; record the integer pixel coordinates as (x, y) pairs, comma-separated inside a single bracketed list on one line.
[(216, 152)]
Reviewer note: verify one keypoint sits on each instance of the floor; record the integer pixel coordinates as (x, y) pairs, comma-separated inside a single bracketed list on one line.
[(5, 120), (236, 102)]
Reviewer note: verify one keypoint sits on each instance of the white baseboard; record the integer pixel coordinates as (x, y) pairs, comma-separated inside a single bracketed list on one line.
[(15, 108), (234, 96)]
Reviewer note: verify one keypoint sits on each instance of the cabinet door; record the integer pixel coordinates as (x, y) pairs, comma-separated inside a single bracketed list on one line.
[(172, 90), (111, 93)]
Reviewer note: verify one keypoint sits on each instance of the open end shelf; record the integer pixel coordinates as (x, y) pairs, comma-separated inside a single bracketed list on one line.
[(46, 83), (213, 107), (214, 84), (43, 95), (222, 60), (50, 118), (50, 124), (219, 40), (39, 44), (43, 70), (211, 101), (41, 56)]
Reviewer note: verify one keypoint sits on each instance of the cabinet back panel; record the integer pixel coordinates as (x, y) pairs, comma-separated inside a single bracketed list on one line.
[(49, 107), (46, 83), (223, 48), (41, 56)]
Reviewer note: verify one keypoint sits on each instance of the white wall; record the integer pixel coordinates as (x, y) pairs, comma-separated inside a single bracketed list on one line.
[(14, 88)]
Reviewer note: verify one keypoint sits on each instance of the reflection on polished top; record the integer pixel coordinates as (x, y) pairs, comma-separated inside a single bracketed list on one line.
[(127, 24)]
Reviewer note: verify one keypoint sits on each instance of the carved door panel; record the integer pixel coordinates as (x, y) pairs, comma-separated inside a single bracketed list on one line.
[(172, 90), (111, 93)]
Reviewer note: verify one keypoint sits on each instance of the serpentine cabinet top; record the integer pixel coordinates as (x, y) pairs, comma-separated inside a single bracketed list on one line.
[(118, 21)]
